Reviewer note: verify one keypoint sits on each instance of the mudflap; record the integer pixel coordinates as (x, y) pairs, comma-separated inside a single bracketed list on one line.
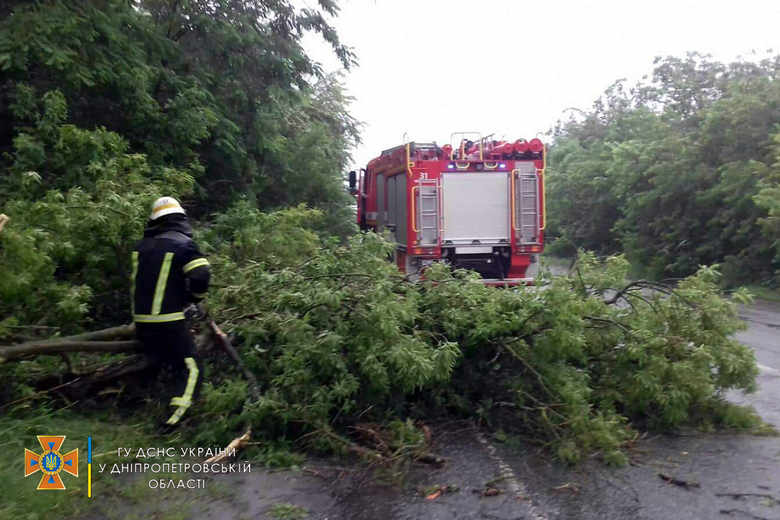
[(520, 265)]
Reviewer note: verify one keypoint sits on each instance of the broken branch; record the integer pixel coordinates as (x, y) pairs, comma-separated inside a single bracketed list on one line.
[(677, 482), (224, 342), (235, 445)]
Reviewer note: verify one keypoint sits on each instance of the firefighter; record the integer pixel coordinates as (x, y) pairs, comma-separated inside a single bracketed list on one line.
[(169, 273)]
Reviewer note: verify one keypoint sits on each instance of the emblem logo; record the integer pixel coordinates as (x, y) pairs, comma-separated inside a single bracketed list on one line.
[(51, 462)]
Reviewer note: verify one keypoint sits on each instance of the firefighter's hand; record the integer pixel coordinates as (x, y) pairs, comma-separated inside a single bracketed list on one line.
[(194, 312)]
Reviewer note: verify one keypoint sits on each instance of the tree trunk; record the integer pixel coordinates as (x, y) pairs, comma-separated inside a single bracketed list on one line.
[(97, 341)]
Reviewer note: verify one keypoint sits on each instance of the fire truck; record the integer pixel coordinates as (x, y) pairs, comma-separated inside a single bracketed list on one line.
[(475, 203)]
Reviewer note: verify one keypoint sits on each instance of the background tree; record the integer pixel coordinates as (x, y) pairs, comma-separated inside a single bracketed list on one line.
[(196, 86), (669, 170), (106, 104)]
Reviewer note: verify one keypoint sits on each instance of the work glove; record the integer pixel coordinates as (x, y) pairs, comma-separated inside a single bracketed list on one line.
[(194, 312)]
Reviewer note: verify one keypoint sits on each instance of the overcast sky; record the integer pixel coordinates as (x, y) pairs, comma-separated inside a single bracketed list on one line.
[(432, 67)]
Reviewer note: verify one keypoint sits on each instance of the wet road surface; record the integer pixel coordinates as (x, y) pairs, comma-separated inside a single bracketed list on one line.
[(706, 476)]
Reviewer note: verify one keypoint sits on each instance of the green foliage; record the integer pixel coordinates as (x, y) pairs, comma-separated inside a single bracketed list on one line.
[(79, 200), (113, 104), (768, 198), (723, 414), (315, 341), (222, 90), (334, 333), (677, 172)]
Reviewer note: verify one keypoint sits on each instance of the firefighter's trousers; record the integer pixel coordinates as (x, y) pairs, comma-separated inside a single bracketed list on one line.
[(170, 344)]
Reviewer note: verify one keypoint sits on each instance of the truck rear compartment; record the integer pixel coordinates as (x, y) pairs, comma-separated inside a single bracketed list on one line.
[(475, 209)]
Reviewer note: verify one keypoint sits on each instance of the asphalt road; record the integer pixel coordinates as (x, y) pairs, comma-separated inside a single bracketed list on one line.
[(763, 336), (718, 476), (727, 476)]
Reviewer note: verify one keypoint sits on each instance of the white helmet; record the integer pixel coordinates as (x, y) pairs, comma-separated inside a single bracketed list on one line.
[(165, 206)]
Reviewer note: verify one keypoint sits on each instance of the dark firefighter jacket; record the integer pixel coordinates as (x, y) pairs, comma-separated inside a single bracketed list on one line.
[(168, 271)]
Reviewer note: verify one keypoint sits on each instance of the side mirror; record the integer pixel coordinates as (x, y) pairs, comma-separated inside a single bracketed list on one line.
[(352, 182)]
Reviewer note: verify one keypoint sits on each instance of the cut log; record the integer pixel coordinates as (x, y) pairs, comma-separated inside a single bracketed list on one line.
[(120, 332), (55, 348), (95, 341)]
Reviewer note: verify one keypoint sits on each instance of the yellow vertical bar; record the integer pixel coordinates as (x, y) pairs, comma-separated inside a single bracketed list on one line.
[(162, 281), (414, 213), (134, 257), (89, 480)]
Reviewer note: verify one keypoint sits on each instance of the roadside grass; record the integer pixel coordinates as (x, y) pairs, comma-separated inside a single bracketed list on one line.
[(287, 511), (761, 292), (125, 496), (19, 430)]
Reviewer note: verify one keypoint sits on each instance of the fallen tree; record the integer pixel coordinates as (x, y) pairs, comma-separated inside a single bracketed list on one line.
[(341, 339), (330, 337)]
